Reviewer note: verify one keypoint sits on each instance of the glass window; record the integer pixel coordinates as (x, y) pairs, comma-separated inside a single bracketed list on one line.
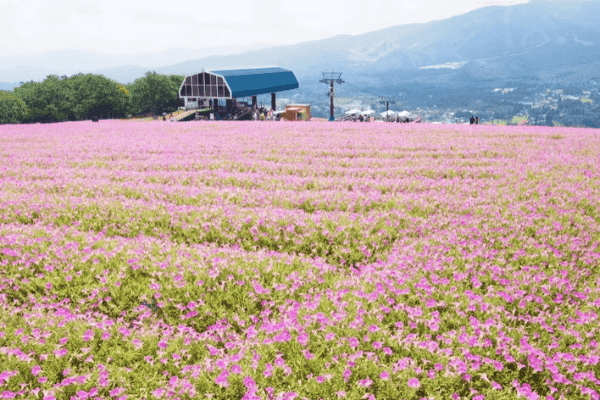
[(213, 80), (195, 90), (227, 93), (188, 90), (221, 92), (219, 80), (194, 79), (200, 79), (188, 80), (201, 91)]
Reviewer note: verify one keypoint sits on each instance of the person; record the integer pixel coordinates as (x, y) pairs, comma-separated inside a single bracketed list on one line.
[(360, 118), (354, 118), (262, 116), (471, 120), (476, 120)]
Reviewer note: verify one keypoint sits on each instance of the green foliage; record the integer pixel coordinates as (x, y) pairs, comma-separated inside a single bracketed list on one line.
[(80, 97), (155, 93), (95, 95), (12, 107)]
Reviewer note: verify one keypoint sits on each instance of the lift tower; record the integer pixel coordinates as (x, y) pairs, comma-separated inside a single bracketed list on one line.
[(329, 77), (387, 100)]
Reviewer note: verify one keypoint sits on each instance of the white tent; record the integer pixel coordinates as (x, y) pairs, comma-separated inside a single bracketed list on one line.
[(404, 114), (388, 112), (368, 112), (355, 111)]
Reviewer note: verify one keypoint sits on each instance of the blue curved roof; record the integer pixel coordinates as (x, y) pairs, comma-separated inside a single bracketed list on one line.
[(255, 81)]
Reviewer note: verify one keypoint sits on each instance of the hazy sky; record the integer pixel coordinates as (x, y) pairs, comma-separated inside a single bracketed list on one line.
[(126, 26)]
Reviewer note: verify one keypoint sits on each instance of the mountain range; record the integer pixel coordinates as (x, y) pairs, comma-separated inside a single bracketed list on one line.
[(543, 41)]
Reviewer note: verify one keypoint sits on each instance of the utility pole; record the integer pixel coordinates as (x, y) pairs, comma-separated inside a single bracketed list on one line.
[(329, 77)]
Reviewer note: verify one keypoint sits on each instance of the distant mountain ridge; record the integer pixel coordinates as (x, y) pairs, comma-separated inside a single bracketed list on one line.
[(537, 41)]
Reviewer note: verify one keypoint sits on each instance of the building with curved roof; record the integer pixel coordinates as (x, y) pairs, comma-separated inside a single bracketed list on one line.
[(198, 89)]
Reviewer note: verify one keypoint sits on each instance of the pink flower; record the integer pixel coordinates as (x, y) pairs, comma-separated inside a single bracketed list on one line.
[(377, 345), (222, 380), (340, 394), (236, 369), (60, 353), (116, 391), (384, 375), (268, 372), (414, 383), (282, 337), (365, 382), (373, 328), (249, 383), (36, 370), (88, 335), (279, 362), (330, 336), (353, 342), (496, 385)]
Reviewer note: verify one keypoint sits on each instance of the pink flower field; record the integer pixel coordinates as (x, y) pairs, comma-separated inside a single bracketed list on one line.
[(299, 260)]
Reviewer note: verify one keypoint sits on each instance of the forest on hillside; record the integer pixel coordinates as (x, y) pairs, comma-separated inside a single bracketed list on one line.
[(83, 96)]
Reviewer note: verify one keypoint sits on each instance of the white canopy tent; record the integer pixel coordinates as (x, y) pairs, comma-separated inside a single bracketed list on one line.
[(368, 112), (351, 112), (387, 113), (404, 114)]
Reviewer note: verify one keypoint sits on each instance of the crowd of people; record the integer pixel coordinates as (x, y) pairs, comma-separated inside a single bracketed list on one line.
[(366, 118), (264, 115), (474, 120)]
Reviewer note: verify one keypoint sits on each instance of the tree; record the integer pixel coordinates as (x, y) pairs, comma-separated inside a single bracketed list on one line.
[(155, 93), (75, 98), (12, 107), (95, 95)]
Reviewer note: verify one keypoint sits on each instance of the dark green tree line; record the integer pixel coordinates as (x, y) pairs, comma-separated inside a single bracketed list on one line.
[(80, 97)]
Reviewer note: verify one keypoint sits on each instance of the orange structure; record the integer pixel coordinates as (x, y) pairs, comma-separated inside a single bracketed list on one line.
[(297, 112)]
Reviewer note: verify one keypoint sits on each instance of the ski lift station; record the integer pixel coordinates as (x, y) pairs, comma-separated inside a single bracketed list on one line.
[(209, 88)]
